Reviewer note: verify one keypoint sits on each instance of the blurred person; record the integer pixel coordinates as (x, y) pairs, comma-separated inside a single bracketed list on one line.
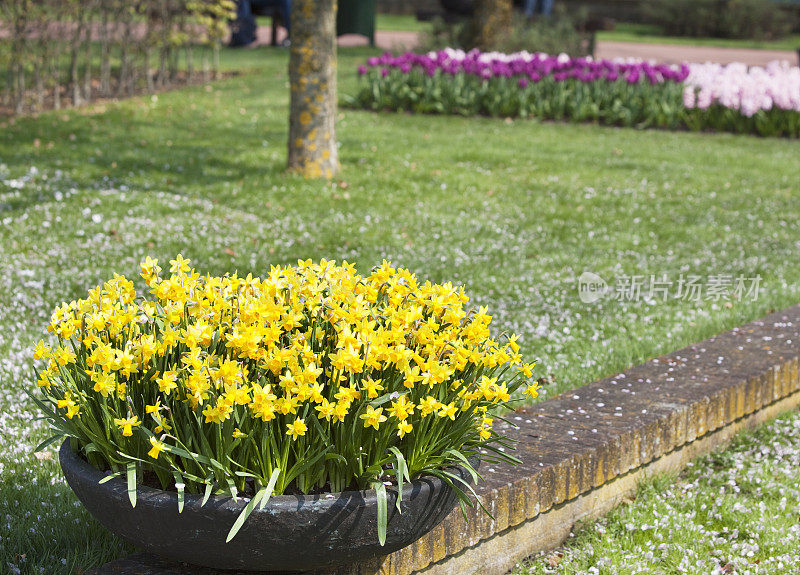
[(543, 7), (243, 29)]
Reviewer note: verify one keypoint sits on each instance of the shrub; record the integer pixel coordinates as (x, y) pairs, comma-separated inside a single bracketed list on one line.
[(555, 35), (311, 379), (755, 19), (558, 34)]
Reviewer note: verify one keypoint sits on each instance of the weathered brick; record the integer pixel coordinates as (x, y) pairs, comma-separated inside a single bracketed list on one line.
[(716, 410), (740, 400), (793, 368), (517, 497), (776, 383), (547, 488), (438, 543)]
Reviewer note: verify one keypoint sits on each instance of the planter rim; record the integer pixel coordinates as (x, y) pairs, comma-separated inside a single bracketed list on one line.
[(81, 467)]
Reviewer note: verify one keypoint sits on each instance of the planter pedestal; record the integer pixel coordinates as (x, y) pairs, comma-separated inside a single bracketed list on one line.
[(146, 564), (322, 533)]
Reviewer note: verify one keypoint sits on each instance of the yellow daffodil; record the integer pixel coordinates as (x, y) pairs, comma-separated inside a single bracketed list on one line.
[(104, 383), (403, 427), (372, 387), (448, 410), (127, 425), (204, 355), (167, 382), (156, 448), (532, 390), (373, 417), (297, 428), (41, 351), (527, 369), (63, 355)]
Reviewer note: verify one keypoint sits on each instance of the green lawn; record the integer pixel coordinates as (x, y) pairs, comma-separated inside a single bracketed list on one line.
[(515, 210), (399, 22), (387, 22), (651, 34), (734, 511)]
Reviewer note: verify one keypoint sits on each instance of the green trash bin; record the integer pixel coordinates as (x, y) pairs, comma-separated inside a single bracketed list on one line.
[(356, 17)]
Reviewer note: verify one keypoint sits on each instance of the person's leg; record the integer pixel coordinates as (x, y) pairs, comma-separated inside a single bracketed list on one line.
[(286, 11), (547, 7), (244, 27), (285, 7), (530, 6)]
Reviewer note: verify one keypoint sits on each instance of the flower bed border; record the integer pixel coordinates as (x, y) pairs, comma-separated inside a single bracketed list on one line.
[(585, 450)]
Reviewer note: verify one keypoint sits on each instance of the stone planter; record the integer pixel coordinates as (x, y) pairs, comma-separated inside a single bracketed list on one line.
[(291, 533)]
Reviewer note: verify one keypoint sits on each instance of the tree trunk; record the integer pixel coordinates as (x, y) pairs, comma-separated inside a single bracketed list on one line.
[(216, 59), (189, 62), (38, 78), (56, 76), (312, 76), (75, 48), (19, 105), (105, 53), (124, 60), (87, 71), (491, 22)]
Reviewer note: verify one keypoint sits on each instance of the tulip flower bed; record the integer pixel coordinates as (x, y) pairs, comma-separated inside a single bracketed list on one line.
[(731, 98), (629, 93)]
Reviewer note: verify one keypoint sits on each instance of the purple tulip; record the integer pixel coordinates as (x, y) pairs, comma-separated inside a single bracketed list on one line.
[(527, 68)]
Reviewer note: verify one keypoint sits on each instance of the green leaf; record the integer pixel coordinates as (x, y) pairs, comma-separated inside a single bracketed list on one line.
[(270, 486), (383, 516), (207, 494), (180, 486), (232, 488), (401, 469), (109, 477), (48, 442), (466, 464), (244, 474), (132, 483), (301, 466), (337, 456), (248, 509)]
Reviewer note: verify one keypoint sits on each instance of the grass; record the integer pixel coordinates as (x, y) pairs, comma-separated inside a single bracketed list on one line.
[(386, 22), (651, 34), (401, 23), (515, 210), (734, 511)]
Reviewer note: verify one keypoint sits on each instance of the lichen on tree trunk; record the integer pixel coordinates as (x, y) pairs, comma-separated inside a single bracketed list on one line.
[(312, 77), (491, 22)]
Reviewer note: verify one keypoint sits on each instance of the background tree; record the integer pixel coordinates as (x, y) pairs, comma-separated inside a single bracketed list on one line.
[(492, 22), (312, 76), (76, 50)]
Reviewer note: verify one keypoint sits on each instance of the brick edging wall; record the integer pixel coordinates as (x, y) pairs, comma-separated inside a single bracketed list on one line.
[(585, 444), (584, 450)]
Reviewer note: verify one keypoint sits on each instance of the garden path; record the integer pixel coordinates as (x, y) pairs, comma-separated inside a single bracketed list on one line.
[(671, 53)]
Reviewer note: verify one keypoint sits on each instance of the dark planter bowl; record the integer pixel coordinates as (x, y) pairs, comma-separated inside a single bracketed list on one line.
[(291, 533)]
